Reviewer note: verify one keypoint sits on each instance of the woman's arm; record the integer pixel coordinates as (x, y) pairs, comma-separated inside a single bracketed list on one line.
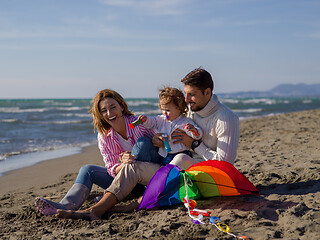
[(110, 153)]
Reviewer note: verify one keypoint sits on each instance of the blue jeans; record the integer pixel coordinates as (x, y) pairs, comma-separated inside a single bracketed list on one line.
[(93, 174), (144, 151)]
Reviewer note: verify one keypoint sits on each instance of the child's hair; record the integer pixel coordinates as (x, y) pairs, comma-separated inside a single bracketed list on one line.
[(174, 95), (98, 121)]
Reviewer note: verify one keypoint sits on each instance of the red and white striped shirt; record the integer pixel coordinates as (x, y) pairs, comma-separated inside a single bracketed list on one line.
[(110, 147)]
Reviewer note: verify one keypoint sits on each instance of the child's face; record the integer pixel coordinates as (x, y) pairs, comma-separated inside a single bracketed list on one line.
[(170, 110)]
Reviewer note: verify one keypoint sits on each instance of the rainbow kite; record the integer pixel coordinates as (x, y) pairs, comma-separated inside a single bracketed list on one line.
[(170, 185)]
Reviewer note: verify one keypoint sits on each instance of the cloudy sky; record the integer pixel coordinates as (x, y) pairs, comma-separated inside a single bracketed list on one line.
[(74, 48)]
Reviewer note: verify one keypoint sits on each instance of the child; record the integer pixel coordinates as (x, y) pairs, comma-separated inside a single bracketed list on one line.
[(174, 108)]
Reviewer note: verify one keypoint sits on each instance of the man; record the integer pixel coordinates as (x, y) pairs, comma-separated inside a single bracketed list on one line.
[(220, 141), (219, 124)]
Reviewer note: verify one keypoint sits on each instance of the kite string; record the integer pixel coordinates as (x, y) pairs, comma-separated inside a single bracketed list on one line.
[(222, 185), (199, 219), (216, 222)]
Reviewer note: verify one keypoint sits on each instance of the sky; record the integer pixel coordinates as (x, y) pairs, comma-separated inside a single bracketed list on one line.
[(75, 48)]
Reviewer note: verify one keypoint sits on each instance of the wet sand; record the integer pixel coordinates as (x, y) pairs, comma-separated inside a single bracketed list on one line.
[(280, 155)]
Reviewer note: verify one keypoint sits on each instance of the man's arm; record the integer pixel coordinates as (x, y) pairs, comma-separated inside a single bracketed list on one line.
[(227, 132)]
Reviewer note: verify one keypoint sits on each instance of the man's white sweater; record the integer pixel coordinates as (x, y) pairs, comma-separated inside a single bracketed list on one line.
[(220, 128)]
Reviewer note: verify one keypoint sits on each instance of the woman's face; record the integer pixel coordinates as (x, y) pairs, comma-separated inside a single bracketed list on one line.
[(170, 110), (111, 111)]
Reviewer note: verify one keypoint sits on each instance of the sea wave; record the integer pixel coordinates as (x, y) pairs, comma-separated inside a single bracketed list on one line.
[(259, 101), (229, 100), (5, 156), (248, 110), (71, 108), (84, 115), (10, 120), (19, 110), (57, 122), (67, 122), (57, 103), (135, 103)]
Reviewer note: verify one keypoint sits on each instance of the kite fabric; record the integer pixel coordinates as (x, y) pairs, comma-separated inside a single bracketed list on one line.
[(206, 179)]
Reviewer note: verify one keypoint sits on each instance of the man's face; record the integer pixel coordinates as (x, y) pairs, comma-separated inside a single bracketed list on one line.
[(195, 98)]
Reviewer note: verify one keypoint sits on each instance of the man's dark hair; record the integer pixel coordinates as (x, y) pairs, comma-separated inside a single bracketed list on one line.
[(199, 78)]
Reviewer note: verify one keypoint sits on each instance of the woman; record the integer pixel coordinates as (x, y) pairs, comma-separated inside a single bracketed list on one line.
[(116, 140)]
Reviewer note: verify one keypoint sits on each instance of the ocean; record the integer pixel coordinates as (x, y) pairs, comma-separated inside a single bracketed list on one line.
[(34, 130)]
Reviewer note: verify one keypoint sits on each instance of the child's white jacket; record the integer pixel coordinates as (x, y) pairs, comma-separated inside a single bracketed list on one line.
[(162, 125)]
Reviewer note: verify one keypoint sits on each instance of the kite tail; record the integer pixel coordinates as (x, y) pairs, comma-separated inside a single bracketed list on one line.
[(197, 215)]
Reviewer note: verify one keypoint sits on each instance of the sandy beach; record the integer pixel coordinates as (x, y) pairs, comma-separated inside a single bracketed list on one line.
[(279, 154)]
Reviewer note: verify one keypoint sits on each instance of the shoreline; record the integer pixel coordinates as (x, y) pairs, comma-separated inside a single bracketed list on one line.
[(279, 154), (29, 159), (49, 170)]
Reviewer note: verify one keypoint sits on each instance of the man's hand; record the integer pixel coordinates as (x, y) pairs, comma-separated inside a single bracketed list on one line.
[(157, 140), (179, 136)]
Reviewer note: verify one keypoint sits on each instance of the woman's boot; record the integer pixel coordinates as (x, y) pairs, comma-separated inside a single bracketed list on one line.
[(73, 200)]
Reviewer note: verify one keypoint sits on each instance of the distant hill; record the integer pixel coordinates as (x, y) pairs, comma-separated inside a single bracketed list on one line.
[(282, 90)]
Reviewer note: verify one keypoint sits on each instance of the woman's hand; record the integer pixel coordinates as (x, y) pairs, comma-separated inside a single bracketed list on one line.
[(157, 140), (126, 157), (179, 136)]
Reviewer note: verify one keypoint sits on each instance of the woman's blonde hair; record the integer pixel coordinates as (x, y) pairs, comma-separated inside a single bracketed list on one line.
[(98, 121), (174, 95)]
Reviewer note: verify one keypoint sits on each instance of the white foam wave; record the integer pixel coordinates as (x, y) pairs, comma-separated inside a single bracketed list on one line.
[(71, 108), (229, 100), (82, 115), (55, 147), (142, 102), (66, 122), (11, 120), (86, 115), (27, 159), (9, 109), (259, 100), (53, 102), (18, 110), (249, 110)]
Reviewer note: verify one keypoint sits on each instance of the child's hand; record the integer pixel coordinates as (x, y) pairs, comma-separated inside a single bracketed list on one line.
[(157, 140), (143, 118)]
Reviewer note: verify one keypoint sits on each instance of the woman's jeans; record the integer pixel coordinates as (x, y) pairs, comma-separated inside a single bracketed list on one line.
[(93, 174)]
